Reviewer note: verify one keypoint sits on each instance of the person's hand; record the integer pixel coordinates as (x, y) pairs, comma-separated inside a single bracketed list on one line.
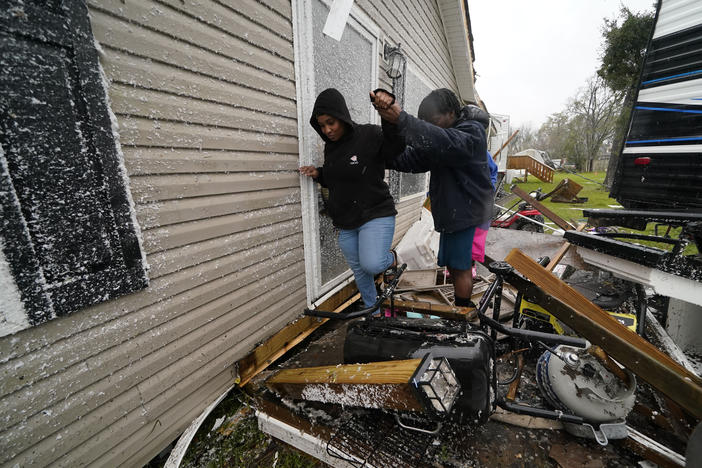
[(386, 106), (381, 99), (309, 171), (391, 114)]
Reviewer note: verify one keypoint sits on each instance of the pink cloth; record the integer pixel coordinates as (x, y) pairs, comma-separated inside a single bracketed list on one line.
[(479, 238)]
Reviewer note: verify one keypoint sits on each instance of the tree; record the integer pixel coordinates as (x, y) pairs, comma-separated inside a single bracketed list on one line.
[(624, 49), (580, 132), (525, 139), (553, 134), (594, 115)]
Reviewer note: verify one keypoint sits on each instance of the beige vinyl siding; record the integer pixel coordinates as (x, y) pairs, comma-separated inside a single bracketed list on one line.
[(408, 212), (417, 25), (204, 96)]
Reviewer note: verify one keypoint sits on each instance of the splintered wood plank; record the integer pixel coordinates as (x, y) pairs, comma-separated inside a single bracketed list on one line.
[(268, 352), (628, 348), (556, 259), (384, 384), (465, 314), (560, 222)]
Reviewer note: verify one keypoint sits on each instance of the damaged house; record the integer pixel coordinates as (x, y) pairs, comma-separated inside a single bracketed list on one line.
[(154, 227)]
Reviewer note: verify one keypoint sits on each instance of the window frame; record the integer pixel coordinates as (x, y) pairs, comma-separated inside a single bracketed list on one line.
[(305, 90)]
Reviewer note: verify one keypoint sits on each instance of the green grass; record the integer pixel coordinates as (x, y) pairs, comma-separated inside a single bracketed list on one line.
[(597, 197)]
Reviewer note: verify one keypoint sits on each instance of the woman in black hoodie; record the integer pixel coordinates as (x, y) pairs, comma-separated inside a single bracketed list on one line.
[(359, 204)]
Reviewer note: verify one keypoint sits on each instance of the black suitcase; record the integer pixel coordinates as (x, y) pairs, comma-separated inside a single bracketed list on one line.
[(470, 353)]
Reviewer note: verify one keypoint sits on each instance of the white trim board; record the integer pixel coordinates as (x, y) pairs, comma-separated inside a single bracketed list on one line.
[(664, 149), (662, 283), (303, 441)]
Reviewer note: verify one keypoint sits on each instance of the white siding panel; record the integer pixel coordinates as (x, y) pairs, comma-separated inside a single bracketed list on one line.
[(425, 47), (234, 23), (408, 212), (276, 15), (677, 15), (192, 254)]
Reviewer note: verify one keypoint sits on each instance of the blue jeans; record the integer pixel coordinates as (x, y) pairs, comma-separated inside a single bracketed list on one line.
[(367, 252)]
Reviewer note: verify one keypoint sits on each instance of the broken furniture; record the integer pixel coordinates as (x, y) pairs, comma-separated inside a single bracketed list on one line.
[(566, 192)]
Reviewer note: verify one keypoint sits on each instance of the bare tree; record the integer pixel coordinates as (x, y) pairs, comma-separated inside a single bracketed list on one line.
[(553, 135), (525, 139), (594, 115)]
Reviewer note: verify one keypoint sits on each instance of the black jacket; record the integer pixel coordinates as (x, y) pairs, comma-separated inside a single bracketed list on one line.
[(354, 166), (459, 186)]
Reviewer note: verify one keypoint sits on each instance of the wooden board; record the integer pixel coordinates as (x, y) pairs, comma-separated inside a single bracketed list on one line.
[(463, 314), (628, 348), (556, 259), (268, 352), (384, 384), (560, 222)]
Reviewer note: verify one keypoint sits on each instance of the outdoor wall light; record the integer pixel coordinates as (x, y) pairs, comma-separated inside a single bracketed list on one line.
[(436, 383), (396, 59)]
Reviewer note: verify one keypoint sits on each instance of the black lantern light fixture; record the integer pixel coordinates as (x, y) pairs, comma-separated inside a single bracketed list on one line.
[(396, 61), (397, 64), (436, 384)]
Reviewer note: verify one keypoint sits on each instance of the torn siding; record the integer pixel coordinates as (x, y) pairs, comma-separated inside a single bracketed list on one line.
[(204, 97)]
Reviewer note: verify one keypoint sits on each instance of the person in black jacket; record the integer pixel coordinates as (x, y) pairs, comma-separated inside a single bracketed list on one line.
[(447, 140), (359, 203)]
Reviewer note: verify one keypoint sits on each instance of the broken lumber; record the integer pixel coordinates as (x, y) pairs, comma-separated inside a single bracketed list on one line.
[(386, 384), (464, 314), (609, 364), (628, 348), (273, 348), (652, 450), (494, 156), (556, 259), (560, 222)]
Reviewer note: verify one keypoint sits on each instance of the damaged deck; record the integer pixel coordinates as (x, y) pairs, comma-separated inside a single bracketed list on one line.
[(331, 432)]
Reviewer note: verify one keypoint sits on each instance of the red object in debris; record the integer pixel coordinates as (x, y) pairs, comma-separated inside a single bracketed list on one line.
[(645, 161), (514, 218)]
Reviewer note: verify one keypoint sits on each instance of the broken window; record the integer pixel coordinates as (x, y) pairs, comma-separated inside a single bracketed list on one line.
[(69, 236)]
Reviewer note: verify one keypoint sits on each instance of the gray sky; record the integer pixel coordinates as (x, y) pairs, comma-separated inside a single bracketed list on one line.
[(532, 56)]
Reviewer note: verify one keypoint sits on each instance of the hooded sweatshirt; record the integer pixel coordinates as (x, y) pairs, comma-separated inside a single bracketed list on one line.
[(354, 165), (459, 185)]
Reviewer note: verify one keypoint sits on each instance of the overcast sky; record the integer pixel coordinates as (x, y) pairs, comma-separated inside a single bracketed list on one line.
[(531, 56)]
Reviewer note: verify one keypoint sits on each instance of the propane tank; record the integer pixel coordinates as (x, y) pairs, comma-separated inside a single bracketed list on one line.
[(576, 382)]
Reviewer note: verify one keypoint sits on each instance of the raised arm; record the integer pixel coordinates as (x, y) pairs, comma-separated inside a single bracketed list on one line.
[(443, 146)]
